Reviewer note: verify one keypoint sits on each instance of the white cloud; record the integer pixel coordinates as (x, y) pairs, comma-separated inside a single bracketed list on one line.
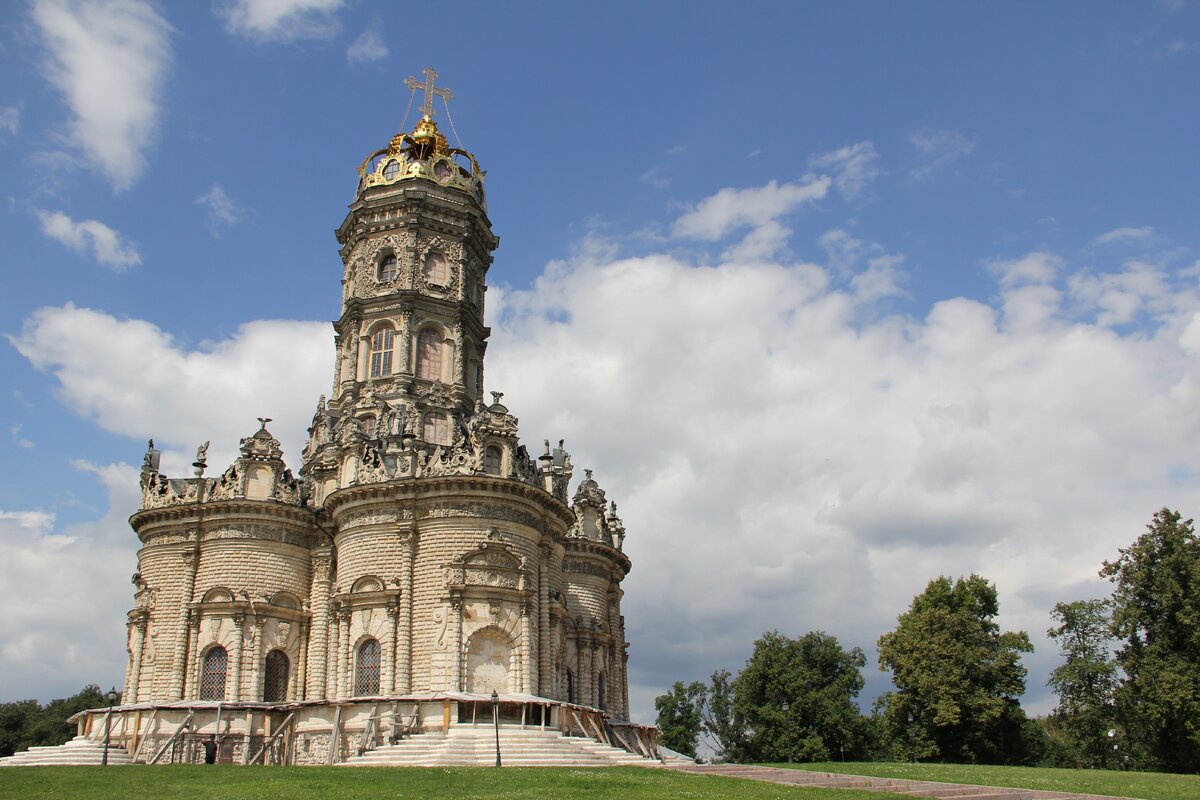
[(938, 148), (10, 120), (731, 209), (223, 212), (65, 594), (366, 49), (282, 20), (656, 177), (853, 167), (1125, 235), (18, 439), (1037, 267), (109, 59), (133, 379), (106, 245)]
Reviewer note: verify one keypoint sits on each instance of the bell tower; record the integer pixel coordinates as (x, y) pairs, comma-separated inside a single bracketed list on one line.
[(416, 246)]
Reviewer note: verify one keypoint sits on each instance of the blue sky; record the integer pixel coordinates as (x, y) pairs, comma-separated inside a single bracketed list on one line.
[(835, 298)]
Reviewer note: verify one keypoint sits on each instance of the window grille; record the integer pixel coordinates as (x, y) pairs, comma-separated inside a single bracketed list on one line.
[(388, 268), (276, 677), (383, 343), (212, 674), (366, 673), (491, 460), (429, 355)]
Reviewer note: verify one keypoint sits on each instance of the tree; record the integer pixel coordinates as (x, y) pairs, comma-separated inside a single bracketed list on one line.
[(721, 727), (680, 713), (795, 698), (957, 677), (1087, 679), (1156, 613)]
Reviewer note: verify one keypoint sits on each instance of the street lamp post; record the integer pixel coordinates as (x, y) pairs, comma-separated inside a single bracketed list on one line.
[(496, 722), (111, 697)]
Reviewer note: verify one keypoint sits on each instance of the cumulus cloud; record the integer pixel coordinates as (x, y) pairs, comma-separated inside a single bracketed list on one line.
[(65, 594), (134, 379), (109, 59), (853, 167), (105, 245), (1036, 267), (366, 49), (10, 120), (1125, 236), (282, 20), (938, 148)]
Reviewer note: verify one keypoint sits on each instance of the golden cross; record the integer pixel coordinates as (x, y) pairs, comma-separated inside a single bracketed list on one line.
[(429, 89)]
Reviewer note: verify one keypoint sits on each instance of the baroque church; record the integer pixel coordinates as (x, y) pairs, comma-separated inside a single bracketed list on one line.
[(421, 571)]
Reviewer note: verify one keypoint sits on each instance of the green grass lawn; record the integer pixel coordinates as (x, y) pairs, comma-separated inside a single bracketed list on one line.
[(1142, 785), (341, 783)]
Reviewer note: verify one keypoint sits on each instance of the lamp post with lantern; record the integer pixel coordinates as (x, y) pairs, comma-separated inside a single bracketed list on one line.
[(496, 722), (111, 697)]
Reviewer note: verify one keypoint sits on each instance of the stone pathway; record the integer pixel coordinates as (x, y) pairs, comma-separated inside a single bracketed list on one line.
[(899, 786)]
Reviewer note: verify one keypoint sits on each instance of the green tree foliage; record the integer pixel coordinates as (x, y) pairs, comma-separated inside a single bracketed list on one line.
[(795, 698), (957, 677), (1086, 681), (1156, 615), (680, 715), (26, 724), (721, 728)]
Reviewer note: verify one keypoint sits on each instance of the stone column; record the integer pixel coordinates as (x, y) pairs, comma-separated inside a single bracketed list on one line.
[(456, 611), (137, 643), (345, 662), (191, 560), (257, 656), (299, 678), (239, 655), (408, 539), (581, 658), (460, 372), (387, 678), (528, 665), (543, 639), (625, 679), (333, 656), (406, 342), (193, 669), (317, 652)]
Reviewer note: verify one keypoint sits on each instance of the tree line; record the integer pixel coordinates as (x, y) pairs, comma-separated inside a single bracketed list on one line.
[(1128, 687)]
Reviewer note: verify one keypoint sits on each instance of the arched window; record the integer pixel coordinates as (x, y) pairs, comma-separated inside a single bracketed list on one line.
[(435, 428), (383, 344), (491, 460), (429, 355), (436, 270), (275, 680), (368, 424), (212, 674), (388, 266), (366, 670)]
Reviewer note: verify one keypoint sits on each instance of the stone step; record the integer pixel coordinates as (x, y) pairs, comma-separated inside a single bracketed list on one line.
[(518, 747), (80, 751)]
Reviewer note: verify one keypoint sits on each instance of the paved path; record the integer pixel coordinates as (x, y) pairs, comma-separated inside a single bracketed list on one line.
[(899, 786)]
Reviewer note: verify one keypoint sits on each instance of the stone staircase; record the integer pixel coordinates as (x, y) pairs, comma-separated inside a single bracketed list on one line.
[(80, 751), (466, 746)]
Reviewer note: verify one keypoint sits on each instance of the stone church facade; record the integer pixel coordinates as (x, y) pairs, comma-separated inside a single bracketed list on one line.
[(420, 558)]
